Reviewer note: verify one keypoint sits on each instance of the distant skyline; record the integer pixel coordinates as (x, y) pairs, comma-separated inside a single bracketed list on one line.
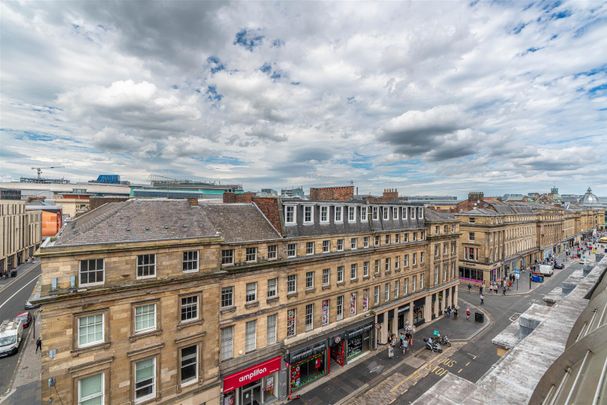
[(437, 98)]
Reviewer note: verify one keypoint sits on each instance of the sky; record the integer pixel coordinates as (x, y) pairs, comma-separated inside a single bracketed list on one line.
[(427, 97)]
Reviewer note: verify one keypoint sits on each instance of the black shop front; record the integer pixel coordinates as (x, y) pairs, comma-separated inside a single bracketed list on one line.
[(418, 311), (307, 364)]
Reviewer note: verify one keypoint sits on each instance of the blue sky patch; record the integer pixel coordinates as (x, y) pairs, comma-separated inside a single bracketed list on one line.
[(518, 28), (35, 136), (213, 94), (277, 43), (215, 64), (226, 160), (561, 14), (248, 39)]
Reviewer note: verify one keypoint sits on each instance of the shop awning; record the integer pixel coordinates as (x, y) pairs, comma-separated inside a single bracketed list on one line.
[(307, 352)]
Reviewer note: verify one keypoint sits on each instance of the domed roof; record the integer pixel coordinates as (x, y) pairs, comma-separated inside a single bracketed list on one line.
[(589, 198)]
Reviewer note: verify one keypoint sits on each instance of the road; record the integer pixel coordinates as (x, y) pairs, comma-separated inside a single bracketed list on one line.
[(13, 295), (474, 359)]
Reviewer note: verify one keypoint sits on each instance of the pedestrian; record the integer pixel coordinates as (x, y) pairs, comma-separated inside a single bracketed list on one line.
[(454, 313), (504, 291), (482, 299), (448, 312), (467, 313), (405, 346), (480, 289), (469, 287), (39, 345)]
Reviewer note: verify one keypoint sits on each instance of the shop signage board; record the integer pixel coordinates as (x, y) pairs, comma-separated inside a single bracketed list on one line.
[(251, 374), (353, 303)]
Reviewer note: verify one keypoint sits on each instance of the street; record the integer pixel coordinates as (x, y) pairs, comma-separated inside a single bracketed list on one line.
[(14, 293)]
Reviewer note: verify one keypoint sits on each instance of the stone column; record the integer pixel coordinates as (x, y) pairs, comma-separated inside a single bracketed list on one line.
[(410, 314), (428, 308), (445, 304), (395, 322), (384, 329), (456, 295)]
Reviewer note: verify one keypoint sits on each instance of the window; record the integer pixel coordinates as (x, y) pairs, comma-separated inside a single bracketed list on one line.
[(413, 212), (145, 379), (309, 248), (406, 287), (394, 212), (353, 242), (363, 213), (453, 244), (375, 213), (436, 250), (189, 308), (309, 316), (366, 242), (189, 364), (437, 229), (386, 292), (445, 229), (340, 307), (340, 274), (308, 214), (91, 390), (414, 236), (272, 288), (404, 212), (470, 253), (471, 236), (324, 214), (414, 280), (271, 329), (227, 297), (353, 271), (190, 261), (227, 342), (146, 266), (326, 246), (351, 214), (421, 281), (405, 237), (326, 277), (445, 248), (421, 213), (309, 280), (251, 295), (291, 283), (436, 272), (397, 263), (387, 239), (397, 238), (353, 303), (227, 256), (396, 288), (377, 240), (472, 220), (366, 269), (272, 252), (251, 254), (291, 250), (414, 259), (365, 299), (291, 322), (376, 295), (421, 257), (339, 214), (145, 318), (290, 215), (386, 212), (91, 272), (340, 245), (376, 265), (90, 330), (250, 336), (387, 265)]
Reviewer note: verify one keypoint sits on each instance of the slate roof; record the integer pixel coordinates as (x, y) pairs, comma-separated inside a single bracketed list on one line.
[(438, 216), (156, 219)]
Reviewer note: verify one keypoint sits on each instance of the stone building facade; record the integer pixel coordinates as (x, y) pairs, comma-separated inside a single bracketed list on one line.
[(174, 302)]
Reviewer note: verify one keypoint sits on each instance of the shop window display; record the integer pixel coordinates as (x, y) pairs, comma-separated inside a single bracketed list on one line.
[(307, 370)]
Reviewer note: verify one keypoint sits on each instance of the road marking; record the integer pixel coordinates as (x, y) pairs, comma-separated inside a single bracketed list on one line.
[(467, 364), (471, 355), (18, 291), (460, 370)]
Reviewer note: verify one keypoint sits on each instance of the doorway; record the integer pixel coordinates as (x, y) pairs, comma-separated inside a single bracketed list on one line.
[(251, 394)]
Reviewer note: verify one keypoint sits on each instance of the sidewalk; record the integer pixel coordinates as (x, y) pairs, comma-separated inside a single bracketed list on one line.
[(345, 383), (22, 270), (26, 388)]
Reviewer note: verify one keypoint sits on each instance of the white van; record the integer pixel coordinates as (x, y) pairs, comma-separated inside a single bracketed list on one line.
[(546, 269), (11, 334)]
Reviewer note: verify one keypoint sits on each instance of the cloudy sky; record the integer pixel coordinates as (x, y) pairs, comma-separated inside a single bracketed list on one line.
[(428, 97)]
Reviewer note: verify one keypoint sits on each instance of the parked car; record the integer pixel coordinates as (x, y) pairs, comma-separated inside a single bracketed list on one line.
[(29, 305), (11, 334), (559, 266), (13, 273), (25, 318)]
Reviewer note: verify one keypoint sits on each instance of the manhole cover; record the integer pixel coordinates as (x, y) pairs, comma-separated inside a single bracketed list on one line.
[(514, 316)]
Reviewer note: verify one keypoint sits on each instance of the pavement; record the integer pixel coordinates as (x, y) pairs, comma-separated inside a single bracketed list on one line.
[(376, 379), (14, 292)]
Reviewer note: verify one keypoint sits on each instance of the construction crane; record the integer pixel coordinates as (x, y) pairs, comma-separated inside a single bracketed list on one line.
[(39, 169)]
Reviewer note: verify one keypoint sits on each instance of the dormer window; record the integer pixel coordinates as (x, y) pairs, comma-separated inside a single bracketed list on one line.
[(339, 214), (290, 215), (375, 213), (324, 214), (404, 212), (363, 213), (351, 214), (308, 214), (386, 213), (421, 213), (394, 212), (413, 213)]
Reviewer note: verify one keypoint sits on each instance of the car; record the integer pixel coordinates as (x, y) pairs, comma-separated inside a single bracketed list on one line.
[(25, 318), (29, 305), (559, 266)]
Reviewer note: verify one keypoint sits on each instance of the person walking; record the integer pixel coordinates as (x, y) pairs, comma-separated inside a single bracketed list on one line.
[(454, 313), (482, 297), (39, 345), (405, 346), (467, 313), (504, 290), (469, 287)]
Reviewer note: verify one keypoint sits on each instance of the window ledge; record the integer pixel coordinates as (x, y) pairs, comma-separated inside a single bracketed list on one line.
[(326, 287), (365, 277), (142, 335), (225, 310), (185, 324), (310, 290), (388, 272), (292, 295), (341, 284), (252, 304), (353, 280), (271, 300), (104, 346)]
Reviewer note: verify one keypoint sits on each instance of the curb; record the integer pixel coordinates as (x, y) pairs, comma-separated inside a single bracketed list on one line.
[(25, 342)]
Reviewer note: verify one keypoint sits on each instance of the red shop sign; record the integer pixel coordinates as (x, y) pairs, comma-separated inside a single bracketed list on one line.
[(244, 377)]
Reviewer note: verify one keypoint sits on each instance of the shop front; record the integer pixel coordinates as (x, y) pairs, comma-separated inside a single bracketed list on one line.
[(418, 311), (254, 385), (307, 365), (403, 314), (359, 341)]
